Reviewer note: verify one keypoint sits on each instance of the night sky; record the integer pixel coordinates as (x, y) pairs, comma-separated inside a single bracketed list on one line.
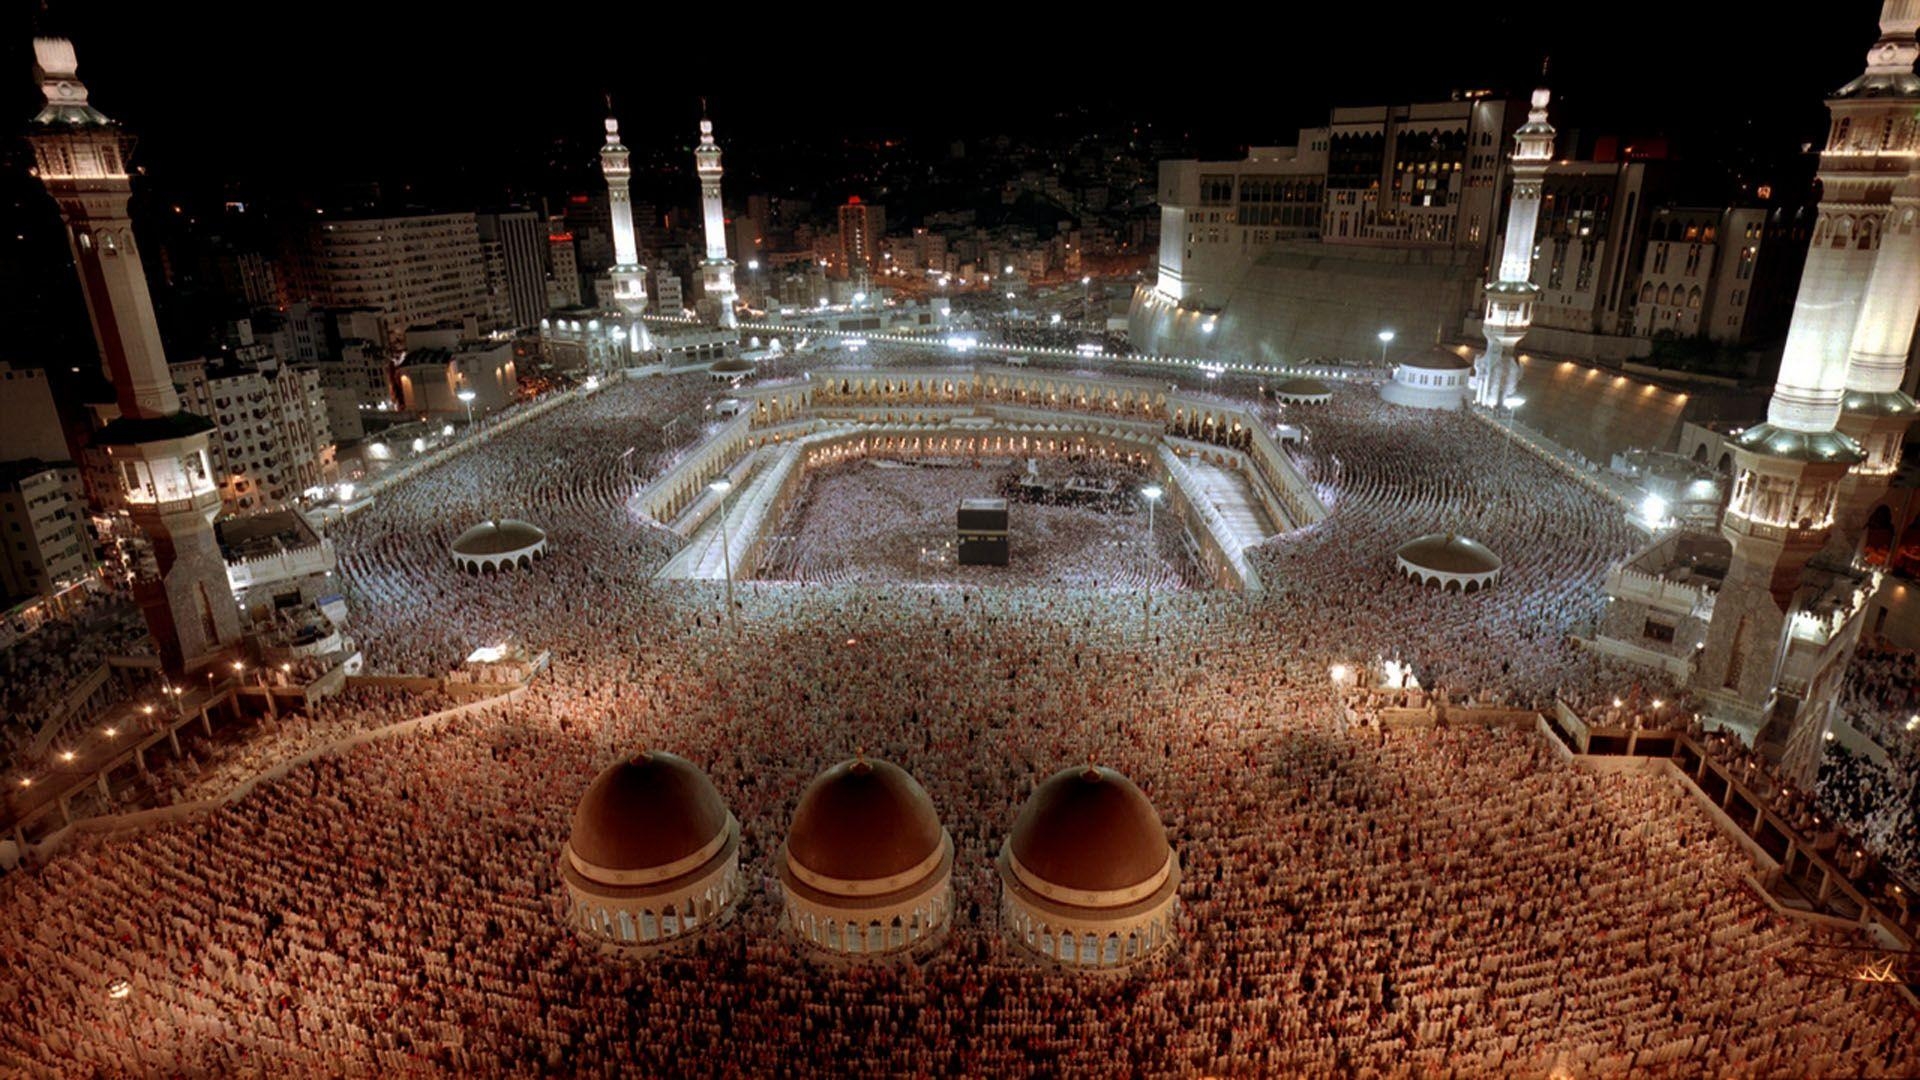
[(291, 97), (476, 105)]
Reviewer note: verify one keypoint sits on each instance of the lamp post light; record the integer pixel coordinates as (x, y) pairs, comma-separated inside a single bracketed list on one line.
[(1511, 402), (466, 398), (1152, 493), (1386, 339), (723, 486)]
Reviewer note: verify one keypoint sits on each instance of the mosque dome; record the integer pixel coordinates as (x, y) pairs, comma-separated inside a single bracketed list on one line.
[(866, 868), (498, 538), (863, 820), (1303, 390), (651, 810), (1438, 359), (1090, 830), (499, 545), (653, 856), (1448, 561), (1087, 877), (1449, 553), (732, 365)]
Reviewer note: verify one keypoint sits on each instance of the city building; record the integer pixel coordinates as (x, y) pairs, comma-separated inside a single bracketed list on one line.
[(445, 361), (516, 261), (413, 269), (862, 224), (33, 427), (43, 529), (272, 441)]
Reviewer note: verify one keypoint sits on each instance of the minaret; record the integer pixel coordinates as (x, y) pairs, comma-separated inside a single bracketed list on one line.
[(716, 271), (1790, 472), (628, 276), (159, 451), (1510, 297), (1879, 107)]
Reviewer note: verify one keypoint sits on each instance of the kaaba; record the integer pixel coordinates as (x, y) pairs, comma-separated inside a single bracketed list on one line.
[(982, 525)]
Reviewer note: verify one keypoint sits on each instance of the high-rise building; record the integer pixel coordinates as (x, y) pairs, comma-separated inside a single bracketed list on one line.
[(44, 544), (511, 241), (716, 270), (159, 451), (668, 296), (1510, 297), (562, 285), (415, 269), (861, 226), (272, 440), (33, 427)]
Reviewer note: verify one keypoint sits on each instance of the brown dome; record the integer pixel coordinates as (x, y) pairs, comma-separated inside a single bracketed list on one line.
[(650, 810), (863, 820), (1090, 829)]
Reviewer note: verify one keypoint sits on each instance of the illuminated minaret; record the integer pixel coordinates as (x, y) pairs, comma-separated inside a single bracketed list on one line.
[(1510, 297), (629, 277), (1880, 178), (716, 270), (1768, 657), (159, 451)]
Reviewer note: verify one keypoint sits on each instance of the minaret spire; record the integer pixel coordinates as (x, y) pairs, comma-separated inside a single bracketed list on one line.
[(158, 452), (1510, 296), (628, 277), (716, 271), (1805, 479)]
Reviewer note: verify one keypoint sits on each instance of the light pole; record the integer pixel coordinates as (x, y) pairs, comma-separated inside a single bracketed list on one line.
[(724, 485), (1386, 339), (1153, 493), (1512, 402), (466, 398)]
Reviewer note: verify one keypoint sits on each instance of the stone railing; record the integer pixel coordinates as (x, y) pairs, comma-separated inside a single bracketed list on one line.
[(54, 842)]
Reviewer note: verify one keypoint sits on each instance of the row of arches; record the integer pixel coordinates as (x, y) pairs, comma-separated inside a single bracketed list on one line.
[(973, 446), (488, 565), (1050, 391), (689, 480), (647, 924), (872, 935), (1449, 583), (1675, 296), (1087, 948), (1842, 230)]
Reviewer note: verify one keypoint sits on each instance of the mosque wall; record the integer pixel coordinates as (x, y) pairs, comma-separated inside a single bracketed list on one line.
[(1308, 301), (1600, 413)]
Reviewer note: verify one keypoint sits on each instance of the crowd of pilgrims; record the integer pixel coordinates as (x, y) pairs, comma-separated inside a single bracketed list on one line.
[(878, 521), (1355, 898), (40, 672)]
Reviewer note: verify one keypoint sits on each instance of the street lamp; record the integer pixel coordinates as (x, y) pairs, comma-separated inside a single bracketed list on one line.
[(1386, 339), (1512, 402), (724, 485), (1152, 493), (466, 398)]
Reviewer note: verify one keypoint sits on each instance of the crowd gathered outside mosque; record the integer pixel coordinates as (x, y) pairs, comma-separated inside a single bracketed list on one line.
[(1355, 897)]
